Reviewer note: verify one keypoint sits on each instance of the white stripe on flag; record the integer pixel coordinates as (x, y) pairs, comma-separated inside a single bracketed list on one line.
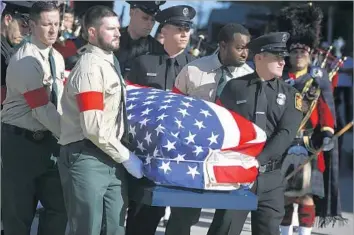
[(230, 127)]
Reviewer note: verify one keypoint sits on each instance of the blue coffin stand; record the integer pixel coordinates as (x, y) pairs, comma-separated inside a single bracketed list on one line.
[(148, 193)]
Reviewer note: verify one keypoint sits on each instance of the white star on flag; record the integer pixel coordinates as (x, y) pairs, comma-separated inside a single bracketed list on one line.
[(179, 157), (186, 104), (183, 112), (190, 138), (148, 138), (164, 107), (170, 145), (192, 171), (143, 122), (165, 167), (179, 123), (205, 112), (213, 138), (140, 146), (198, 150), (146, 111), (130, 116), (199, 124), (159, 129), (132, 130), (161, 117)]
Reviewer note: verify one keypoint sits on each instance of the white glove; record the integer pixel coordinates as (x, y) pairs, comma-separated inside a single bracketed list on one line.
[(328, 144), (134, 166)]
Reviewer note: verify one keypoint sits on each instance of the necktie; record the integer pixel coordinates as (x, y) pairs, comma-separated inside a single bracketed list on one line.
[(261, 106), (222, 81), (54, 93), (122, 108), (170, 73)]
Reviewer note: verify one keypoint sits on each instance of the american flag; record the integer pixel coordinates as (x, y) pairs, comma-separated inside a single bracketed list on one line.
[(192, 143)]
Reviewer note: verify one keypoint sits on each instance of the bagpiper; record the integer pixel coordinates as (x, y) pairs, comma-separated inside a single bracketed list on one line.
[(314, 188)]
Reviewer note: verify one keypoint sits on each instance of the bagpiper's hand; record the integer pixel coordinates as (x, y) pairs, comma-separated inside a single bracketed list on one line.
[(328, 144), (134, 166)]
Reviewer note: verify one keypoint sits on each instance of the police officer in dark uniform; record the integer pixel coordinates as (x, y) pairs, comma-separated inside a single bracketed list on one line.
[(160, 71), (275, 107), (14, 25), (135, 39), (72, 48)]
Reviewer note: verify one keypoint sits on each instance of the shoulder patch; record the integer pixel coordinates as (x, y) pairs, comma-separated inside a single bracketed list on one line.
[(298, 101)]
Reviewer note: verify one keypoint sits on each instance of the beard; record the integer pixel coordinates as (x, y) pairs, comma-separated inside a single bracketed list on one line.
[(105, 45)]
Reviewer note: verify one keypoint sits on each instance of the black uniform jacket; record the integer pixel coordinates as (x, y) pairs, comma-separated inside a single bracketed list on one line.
[(130, 49), (283, 115), (151, 70)]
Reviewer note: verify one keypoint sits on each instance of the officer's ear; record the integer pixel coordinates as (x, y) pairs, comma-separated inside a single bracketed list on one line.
[(92, 32), (223, 45), (7, 19)]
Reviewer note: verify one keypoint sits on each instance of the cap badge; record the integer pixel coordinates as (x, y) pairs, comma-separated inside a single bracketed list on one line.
[(285, 37), (185, 11), (157, 2)]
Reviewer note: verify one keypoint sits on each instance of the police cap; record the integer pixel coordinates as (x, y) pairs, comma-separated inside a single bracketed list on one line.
[(149, 7), (18, 8), (177, 15), (274, 43)]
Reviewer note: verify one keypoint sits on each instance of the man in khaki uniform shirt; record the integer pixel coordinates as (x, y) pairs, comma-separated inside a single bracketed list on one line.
[(30, 123), (92, 126), (205, 78)]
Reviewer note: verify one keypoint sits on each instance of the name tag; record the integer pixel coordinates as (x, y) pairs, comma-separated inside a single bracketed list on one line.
[(241, 101), (151, 74), (260, 113)]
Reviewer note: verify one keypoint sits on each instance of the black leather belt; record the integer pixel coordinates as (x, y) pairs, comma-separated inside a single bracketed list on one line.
[(270, 166), (35, 136)]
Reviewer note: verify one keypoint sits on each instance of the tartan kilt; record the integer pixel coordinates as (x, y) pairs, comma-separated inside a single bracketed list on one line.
[(308, 181), (317, 183)]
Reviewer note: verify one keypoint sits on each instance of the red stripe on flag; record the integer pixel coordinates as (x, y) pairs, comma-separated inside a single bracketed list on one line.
[(246, 128), (3, 93), (235, 174), (177, 91), (91, 100), (129, 83), (250, 149), (36, 98)]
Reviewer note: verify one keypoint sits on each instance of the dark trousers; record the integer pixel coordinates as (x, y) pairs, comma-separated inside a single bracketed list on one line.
[(265, 220), (141, 219), (29, 173)]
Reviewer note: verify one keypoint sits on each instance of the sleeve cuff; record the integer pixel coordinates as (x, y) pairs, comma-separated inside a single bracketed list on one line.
[(327, 129)]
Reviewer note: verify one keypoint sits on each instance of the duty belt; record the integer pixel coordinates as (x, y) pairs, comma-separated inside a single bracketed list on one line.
[(270, 166), (35, 136)]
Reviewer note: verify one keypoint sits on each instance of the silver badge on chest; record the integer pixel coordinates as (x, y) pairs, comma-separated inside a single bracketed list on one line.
[(281, 99)]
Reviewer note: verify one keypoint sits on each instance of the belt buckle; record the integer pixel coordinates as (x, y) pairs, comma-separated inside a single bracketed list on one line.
[(38, 135)]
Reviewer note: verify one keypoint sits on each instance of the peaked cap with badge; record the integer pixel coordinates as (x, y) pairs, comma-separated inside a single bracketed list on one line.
[(149, 7), (181, 15), (274, 43), (18, 9)]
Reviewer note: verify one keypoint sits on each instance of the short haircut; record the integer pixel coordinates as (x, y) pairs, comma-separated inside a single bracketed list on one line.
[(228, 32), (95, 14), (42, 6)]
